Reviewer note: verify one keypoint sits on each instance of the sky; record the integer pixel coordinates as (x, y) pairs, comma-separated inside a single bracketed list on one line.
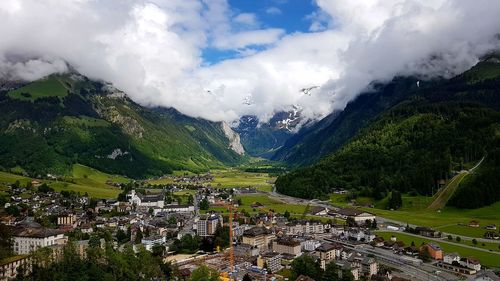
[(221, 59)]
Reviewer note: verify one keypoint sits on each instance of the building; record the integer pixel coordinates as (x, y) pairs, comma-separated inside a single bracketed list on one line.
[(66, 219), (27, 240), (326, 252), (207, 224), (428, 232), (434, 250), (271, 260), (471, 263), (149, 200), (355, 234), (473, 223), (451, 257), (306, 227), (369, 266), (287, 246), (259, 237), (310, 245), (151, 241), (357, 215), (9, 266), (174, 209)]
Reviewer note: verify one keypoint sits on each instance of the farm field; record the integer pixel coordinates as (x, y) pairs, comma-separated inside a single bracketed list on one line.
[(487, 259), (268, 204), (233, 178), (446, 218)]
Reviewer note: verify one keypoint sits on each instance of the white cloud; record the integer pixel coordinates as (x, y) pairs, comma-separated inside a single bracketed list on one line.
[(248, 19), (248, 38), (152, 49), (273, 11)]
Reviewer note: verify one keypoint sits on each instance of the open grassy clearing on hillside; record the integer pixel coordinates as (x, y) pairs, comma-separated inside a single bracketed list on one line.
[(445, 193), (487, 259), (50, 87), (86, 180), (83, 172)]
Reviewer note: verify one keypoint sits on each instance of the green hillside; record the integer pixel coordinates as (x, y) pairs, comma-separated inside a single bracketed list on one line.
[(48, 125), (415, 145)]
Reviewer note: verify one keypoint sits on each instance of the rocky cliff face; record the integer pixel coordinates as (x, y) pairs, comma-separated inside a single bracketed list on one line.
[(234, 139)]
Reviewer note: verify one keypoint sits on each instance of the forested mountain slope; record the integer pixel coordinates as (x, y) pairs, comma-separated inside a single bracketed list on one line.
[(49, 124), (320, 139), (416, 144)]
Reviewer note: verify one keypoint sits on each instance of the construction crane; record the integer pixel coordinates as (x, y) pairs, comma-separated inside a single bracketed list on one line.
[(228, 276)]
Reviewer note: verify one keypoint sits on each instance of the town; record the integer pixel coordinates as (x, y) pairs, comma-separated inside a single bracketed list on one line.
[(190, 225)]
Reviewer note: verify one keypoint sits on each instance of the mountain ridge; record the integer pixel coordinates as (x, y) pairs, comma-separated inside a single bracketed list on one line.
[(72, 119)]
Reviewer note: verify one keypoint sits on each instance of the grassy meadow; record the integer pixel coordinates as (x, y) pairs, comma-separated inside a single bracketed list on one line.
[(487, 259)]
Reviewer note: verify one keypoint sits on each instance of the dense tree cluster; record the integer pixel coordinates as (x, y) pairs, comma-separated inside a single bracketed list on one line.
[(481, 188), (308, 266), (97, 264), (412, 147)]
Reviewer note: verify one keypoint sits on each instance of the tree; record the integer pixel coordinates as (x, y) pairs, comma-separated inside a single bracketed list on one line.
[(158, 250), (138, 236), (204, 205), (247, 277), (172, 220), (121, 236), (374, 224), (351, 222), (450, 237), (458, 239), (13, 211), (94, 241), (190, 199), (45, 188), (287, 214), (474, 241), (204, 273), (395, 201), (347, 275), (424, 255), (331, 272), (5, 241), (306, 265)]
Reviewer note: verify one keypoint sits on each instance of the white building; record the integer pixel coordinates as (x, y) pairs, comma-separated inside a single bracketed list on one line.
[(470, 263), (272, 260), (151, 241), (150, 200), (451, 257), (310, 245), (174, 209), (207, 224), (29, 240)]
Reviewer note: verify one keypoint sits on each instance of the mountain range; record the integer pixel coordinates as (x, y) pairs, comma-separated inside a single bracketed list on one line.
[(409, 135), (49, 124), (405, 136)]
